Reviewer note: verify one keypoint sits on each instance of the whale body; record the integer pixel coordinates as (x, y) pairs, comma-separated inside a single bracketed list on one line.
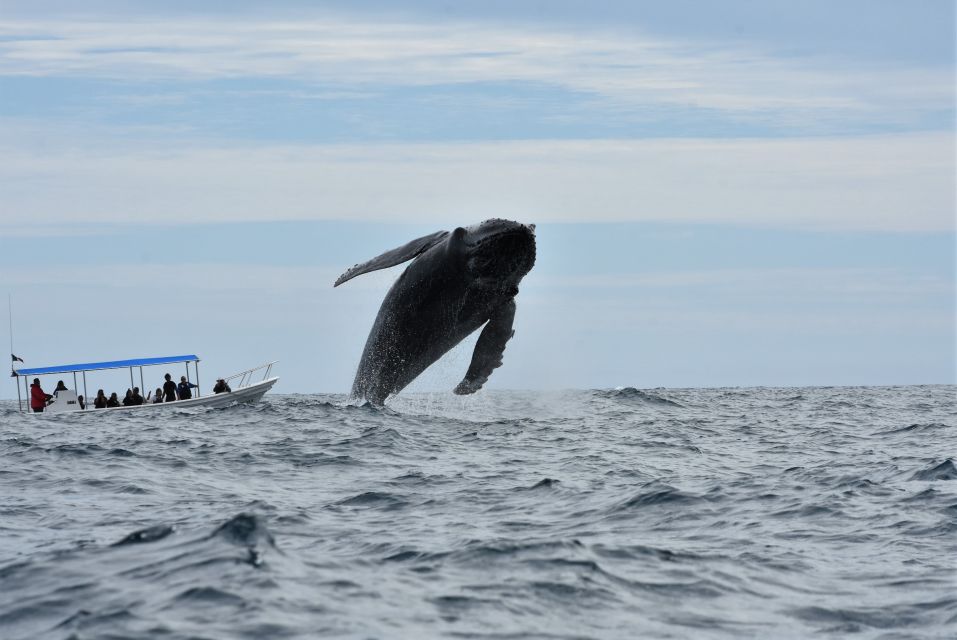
[(457, 282)]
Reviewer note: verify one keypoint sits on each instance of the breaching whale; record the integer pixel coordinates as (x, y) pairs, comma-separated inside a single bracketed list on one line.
[(457, 282)]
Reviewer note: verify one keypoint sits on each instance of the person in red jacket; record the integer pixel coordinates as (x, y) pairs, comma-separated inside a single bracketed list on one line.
[(38, 399)]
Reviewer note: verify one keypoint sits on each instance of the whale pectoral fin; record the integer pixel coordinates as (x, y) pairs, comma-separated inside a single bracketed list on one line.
[(394, 257), (489, 349)]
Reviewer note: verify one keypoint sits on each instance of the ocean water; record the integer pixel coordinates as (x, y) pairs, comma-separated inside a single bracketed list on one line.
[(667, 513)]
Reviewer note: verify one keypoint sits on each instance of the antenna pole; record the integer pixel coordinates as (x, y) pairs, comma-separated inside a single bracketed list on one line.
[(12, 370), (10, 311)]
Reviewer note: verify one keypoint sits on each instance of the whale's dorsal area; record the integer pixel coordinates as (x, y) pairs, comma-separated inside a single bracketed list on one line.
[(395, 256), (457, 282)]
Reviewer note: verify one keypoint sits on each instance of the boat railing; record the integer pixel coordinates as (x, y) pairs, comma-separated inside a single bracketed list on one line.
[(246, 377)]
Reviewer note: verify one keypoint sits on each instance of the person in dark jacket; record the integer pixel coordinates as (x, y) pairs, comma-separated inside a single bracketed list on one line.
[(183, 388), (99, 402), (169, 389), (137, 398), (113, 401), (82, 402), (128, 398), (221, 387), (38, 397)]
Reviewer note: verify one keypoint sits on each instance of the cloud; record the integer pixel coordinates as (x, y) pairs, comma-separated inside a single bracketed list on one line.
[(337, 50), (52, 175), (895, 182)]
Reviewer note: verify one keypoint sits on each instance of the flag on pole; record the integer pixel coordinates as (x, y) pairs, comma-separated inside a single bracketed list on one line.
[(16, 358)]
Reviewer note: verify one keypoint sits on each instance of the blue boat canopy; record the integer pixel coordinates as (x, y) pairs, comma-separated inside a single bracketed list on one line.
[(113, 364)]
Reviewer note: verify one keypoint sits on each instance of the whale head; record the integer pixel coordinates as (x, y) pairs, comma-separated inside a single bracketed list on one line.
[(500, 252)]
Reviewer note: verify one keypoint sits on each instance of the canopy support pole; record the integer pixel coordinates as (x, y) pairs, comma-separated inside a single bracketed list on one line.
[(26, 390), (86, 396), (142, 386), (19, 400), (198, 392), (132, 384)]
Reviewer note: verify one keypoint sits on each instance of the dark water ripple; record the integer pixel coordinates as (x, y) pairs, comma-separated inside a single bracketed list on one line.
[(706, 513)]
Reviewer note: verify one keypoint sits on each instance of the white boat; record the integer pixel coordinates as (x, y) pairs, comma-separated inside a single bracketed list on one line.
[(245, 386)]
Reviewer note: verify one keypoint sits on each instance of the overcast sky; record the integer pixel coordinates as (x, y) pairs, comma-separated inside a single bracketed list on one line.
[(733, 193)]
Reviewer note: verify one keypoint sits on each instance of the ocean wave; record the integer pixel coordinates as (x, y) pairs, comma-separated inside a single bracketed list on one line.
[(544, 483), (927, 427), (943, 471), (656, 494), (246, 529), (637, 395), (856, 619), (93, 591), (318, 459), (740, 513), (150, 534), (377, 499)]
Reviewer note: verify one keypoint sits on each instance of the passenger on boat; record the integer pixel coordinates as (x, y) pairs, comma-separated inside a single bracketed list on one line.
[(59, 387), (169, 389), (113, 401), (128, 399), (183, 388), (137, 398), (99, 402), (157, 397), (221, 386), (38, 397), (82, 402)]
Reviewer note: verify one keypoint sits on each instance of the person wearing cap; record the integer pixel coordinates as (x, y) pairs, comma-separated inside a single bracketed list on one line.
[(183, 388), (221, 386)]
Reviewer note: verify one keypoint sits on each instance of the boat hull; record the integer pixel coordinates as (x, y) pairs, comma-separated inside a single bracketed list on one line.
[(244, 395)]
